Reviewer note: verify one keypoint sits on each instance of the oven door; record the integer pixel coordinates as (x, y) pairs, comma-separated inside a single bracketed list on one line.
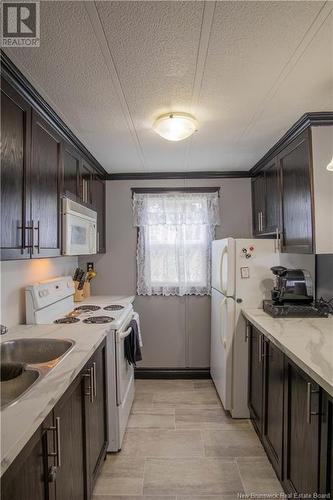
[(125, 371), (79, 235)]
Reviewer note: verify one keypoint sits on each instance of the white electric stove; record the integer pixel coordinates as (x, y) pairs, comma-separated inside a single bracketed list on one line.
[(52, 301)]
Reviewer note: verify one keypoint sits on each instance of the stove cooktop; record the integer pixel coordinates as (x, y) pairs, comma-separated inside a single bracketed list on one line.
[(98, 319)]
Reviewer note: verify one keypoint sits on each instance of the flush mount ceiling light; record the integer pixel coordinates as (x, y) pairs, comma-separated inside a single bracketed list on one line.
[(175, 126), (330, 166)]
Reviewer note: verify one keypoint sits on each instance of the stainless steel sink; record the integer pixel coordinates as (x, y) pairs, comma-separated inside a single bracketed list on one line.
[(24, 361), (33, 351), (13, 388)]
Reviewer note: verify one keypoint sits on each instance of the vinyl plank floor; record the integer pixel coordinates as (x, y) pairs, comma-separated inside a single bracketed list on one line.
[(181, 445)]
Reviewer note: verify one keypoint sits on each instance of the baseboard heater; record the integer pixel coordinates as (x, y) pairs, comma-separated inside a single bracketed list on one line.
[(172, 373)]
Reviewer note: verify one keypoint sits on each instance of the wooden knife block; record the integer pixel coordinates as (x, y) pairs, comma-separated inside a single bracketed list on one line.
[(80, 295)]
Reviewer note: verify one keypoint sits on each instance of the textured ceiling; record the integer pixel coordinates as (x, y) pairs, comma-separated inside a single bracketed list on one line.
[(247, 70)]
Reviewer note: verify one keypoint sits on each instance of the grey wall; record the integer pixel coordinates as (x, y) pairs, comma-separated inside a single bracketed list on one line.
[(17, 274), (176, 330)]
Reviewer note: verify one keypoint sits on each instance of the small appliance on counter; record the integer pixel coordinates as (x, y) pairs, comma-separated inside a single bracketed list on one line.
[(292, 295)]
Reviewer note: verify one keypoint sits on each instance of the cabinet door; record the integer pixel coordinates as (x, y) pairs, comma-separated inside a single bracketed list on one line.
[(98, 202), (296, 193), (271, 217), (326, 455), (256, 377), (70, 476), (85, 182), (27, 477), (72, 161), (301, 432), (272, 427), (45, 188), (96, 414), (258, 203), (15, 159)]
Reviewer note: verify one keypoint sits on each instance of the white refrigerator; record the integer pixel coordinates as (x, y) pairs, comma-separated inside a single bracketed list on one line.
[(241, 277)]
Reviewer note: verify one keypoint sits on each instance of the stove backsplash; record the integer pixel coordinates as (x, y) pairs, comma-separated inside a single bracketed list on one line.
[(16, 275), (324, 276)]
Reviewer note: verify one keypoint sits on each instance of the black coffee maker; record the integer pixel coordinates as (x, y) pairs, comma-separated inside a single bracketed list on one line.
[(291, 286), (292, 295)]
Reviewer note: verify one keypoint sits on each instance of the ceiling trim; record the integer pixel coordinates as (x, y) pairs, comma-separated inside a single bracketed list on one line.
[(228, 174), (320, 18), (307, 120), (101, 37), (204, 39), (20, 83)]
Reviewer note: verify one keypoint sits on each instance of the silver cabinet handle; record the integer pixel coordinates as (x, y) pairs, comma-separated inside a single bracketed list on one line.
[(90, 392), (56, 429), (38, 234), (58, 441), (97, 241), (261, 222), (258, 221), (260, 348), (309, 393), (247, 331), (95, 378)]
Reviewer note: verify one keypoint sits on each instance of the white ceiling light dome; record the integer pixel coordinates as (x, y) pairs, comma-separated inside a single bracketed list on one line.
[(175, 126)]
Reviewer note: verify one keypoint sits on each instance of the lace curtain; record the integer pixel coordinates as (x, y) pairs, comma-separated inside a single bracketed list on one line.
[(174, 242)]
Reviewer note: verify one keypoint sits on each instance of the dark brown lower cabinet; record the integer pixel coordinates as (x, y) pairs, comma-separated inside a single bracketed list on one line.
[(70, 456), (293, 417), (301, 432), (62, 459), (272, 418), (255, 396), (27, 477), (95, 415), (326, 454)]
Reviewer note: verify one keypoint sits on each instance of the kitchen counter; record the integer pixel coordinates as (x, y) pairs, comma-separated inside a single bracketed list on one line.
[(306, 341), (20, 421)]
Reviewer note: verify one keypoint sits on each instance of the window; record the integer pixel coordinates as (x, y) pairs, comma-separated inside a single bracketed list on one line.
[(174, 242)]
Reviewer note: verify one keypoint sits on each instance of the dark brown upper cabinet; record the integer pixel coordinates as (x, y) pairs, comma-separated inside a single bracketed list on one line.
[(271, 218), (98, 203), (71, 164), (46, 167), (296, 196), (258, 203), (85, 182), (282, 198), (15, 164), (41, 161)]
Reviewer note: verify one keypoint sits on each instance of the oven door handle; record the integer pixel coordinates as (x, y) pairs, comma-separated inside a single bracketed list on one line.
[(124, 334)]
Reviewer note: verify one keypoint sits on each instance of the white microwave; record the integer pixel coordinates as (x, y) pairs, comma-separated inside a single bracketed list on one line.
[(79, 228)]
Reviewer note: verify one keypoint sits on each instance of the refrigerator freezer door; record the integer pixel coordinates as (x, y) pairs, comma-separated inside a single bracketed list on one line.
[(223, 266), (222, 330)]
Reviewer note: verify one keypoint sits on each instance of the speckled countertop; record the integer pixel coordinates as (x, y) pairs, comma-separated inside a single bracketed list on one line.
[(306, 341), (22, 419)]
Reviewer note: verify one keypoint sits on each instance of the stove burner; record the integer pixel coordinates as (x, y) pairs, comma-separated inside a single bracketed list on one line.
[(98, 319), (86, 308), (67, 320), (113, 307)]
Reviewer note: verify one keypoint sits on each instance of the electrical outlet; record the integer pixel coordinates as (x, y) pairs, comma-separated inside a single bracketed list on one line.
[(90, 266)]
